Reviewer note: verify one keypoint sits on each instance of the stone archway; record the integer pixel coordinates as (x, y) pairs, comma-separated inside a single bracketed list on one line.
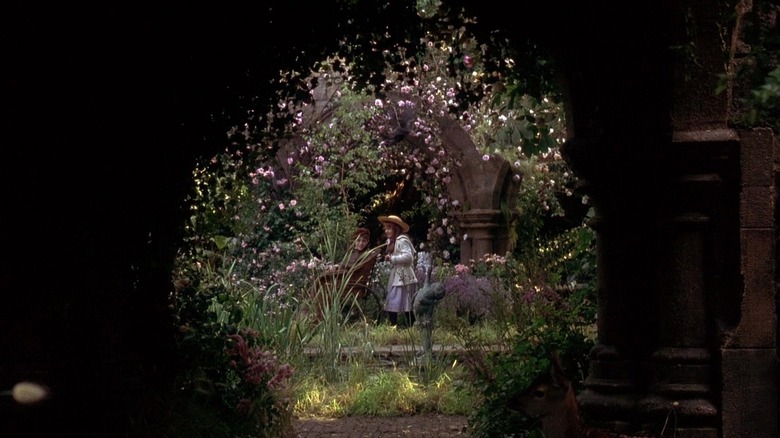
[(485, 189)]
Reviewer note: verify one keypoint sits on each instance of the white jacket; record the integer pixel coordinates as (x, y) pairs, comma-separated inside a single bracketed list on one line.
[(402, 260)]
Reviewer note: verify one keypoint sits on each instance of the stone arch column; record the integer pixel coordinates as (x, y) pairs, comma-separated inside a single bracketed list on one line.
[(486, 191), (481, 230), (684, 233)]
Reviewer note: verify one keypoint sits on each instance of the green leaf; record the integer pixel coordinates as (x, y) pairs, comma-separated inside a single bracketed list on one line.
[(221, 241)]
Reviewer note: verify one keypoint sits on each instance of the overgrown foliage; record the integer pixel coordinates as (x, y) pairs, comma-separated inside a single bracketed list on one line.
[(754, 68), (278, 206), (539, 299)]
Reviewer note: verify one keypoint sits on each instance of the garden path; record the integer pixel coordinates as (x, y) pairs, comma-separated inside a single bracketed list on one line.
[(422, 425)]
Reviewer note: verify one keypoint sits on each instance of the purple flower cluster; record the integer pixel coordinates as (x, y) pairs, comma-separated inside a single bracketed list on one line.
[(468, 296)]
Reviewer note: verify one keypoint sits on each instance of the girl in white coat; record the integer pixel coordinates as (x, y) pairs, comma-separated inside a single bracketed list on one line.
[(402, 284)]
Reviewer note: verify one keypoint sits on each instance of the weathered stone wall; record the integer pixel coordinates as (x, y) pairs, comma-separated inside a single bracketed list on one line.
[(749, 367)]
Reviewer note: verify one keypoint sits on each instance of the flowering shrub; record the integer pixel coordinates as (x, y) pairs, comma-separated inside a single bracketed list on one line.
[(243, 386), (230, 332), (547, 303), (466, 296), (258, 382)]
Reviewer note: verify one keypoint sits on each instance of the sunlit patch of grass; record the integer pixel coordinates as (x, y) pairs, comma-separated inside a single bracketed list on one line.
[(451, 396), (368, 390), (387, 393), (318, 398)]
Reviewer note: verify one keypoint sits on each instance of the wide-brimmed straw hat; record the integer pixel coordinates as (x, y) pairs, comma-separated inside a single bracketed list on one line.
[(393, 219)]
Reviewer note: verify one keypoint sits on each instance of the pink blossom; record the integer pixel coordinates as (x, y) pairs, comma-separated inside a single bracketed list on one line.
[(461, 269)]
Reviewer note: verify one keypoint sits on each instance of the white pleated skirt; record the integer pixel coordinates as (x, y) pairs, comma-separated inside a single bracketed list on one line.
[(399, 298)]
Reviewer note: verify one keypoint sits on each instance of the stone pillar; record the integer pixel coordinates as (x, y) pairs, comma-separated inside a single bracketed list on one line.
[(481, 227), (661, 246), (628, 211), (678, 273), (682, 372)]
